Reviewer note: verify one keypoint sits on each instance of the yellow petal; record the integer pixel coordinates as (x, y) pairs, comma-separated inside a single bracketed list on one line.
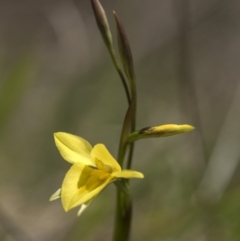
[(101, 153), (55, 195), (127, 174), (73, 148), (81, 184)]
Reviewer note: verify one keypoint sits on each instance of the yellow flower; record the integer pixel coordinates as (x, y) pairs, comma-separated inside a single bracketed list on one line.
[(92, 170)]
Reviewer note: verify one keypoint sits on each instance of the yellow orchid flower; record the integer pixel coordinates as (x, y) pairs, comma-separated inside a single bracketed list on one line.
[(92, 170)]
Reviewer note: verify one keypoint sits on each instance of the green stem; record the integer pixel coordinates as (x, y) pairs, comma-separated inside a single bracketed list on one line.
[(130, 155), (123, 217), (131, 149), (124, 203), (123, 207), (117, 66), (133, 137)]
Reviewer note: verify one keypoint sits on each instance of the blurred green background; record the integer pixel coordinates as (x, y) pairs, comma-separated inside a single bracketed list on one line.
[(56, 75)]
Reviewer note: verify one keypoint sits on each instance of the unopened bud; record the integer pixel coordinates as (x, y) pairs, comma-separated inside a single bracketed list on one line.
[(160, 131), (102, 22)]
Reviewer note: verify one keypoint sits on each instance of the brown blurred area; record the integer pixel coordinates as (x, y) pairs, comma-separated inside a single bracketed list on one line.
[(56, 75)]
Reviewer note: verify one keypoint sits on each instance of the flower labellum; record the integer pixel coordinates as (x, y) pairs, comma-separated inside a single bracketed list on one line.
[(93, 168)]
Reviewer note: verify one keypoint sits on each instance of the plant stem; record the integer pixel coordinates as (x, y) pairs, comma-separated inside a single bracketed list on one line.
[(124, 206), (123, 217), (131, 149), (124, 203), (117, 66)]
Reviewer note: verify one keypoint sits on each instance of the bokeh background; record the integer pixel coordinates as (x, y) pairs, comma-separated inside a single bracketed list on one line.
[(56, 75)]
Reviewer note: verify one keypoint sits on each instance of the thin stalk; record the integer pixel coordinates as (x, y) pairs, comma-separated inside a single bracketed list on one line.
[(120, 73), (187, 86), (131, 148), (133, 124), (130, 155)]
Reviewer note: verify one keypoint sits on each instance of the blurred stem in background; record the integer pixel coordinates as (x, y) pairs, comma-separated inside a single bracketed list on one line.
[(187, 88)]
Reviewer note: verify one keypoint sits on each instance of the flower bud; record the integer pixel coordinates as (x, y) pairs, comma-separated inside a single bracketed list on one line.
[(102, 22), (160, 131)]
